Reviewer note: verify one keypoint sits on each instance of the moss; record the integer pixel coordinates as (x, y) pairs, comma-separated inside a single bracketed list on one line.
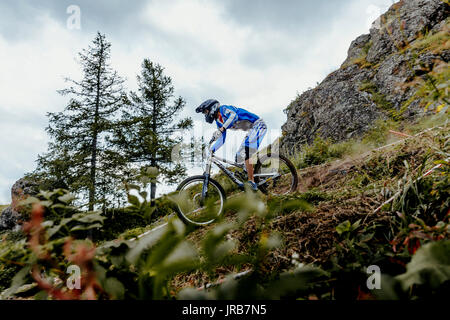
[(135, 232)]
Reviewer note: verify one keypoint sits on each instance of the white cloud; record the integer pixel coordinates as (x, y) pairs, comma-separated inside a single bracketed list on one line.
[(205, 53), (31, 72)]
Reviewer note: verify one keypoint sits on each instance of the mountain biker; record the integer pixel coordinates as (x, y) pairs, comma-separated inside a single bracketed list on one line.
[(231, 118)]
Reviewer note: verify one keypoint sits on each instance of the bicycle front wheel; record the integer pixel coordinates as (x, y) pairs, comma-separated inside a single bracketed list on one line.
[(275, 174), (194, 209)]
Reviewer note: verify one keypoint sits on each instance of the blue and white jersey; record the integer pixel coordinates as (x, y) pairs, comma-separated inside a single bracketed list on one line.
[(232, 118)]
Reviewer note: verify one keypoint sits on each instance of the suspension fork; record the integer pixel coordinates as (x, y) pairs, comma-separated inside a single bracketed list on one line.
[(206, 174)]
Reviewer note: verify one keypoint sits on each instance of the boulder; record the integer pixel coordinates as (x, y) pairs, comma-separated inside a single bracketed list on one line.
[(13, 216), (373, 82)]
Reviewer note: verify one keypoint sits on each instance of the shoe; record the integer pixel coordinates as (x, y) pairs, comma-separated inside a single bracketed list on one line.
[(253, 185)]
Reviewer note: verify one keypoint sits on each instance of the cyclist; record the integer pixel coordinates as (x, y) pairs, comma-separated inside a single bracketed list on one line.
[(231, 118)]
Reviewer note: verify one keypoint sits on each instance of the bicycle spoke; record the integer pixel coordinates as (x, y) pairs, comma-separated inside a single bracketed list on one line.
[(194, 209), (280, 173)]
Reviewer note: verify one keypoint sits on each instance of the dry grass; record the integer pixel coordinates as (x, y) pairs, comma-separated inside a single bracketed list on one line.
[(435, 43)]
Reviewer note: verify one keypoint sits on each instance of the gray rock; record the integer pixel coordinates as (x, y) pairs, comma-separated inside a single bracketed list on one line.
[(339, 108), (357, 47), (13, 216), (8, 219)]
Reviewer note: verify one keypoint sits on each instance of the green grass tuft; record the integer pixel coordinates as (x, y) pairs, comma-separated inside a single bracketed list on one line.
[(432, 42), (321, 151)]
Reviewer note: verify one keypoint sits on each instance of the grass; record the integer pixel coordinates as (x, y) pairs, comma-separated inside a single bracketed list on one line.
[(432, 42), (432, 121), (433, 91), (3, 206), (378, 135), (324, 150), (320, 151), (135, 232)]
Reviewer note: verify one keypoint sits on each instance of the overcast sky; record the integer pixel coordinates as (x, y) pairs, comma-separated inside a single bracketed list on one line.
[(255, 54)]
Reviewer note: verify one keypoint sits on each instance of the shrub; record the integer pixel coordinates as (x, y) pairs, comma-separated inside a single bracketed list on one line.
[(144, 268)]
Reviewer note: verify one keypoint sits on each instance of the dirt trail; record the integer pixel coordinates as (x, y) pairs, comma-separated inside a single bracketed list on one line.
[(324, 175)]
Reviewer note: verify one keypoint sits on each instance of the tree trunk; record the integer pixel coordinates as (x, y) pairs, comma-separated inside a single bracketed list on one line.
[(152, 193), (95, 136), (153, 159), (92, 174)]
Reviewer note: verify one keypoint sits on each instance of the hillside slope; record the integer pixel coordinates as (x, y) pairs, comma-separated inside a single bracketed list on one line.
[(387, 207), (343, 233), (408, 48)]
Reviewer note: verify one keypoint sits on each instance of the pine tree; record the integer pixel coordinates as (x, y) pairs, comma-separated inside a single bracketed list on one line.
[(79, 151), (147, 131)]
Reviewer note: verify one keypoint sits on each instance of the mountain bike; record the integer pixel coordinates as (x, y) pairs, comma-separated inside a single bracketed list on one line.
[(202, 198)]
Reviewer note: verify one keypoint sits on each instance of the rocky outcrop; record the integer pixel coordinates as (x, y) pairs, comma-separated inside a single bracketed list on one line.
[(372, 83), (12, 217)]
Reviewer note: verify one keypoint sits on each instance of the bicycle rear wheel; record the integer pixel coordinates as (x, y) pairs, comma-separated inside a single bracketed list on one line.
[(278, 172), (192, 209)]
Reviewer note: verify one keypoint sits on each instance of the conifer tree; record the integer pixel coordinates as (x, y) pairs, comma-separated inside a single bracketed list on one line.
[(150, 128), (79, 152)]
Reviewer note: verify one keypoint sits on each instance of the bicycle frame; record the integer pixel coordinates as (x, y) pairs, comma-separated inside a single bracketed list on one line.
[(219, 163)]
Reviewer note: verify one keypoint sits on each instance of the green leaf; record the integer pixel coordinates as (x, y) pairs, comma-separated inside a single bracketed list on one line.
[(54, 230), (143, 194), (144, 243), (29, 200), (17, 282), (181, 257), (366, 237), (89, 218), (148, 211), (430, 265), (41, 295), (356, 225), (115, 288), (133, 187), (134, 200), (343, 227), (86, 227), (67, 198)]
